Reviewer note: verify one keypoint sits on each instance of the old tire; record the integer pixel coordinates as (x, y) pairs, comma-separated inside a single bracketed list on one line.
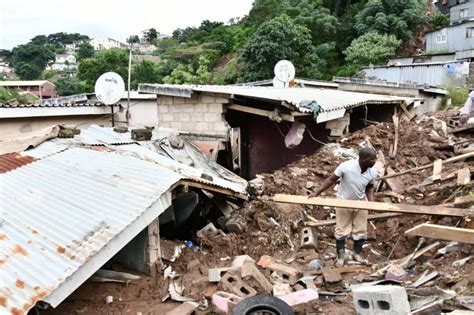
[(264, 304)]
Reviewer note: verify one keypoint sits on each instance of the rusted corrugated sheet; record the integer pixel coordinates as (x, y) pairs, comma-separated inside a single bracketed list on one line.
[(11, 161)]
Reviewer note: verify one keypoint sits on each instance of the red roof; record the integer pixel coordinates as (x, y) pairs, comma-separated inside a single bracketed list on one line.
[(11, 161)]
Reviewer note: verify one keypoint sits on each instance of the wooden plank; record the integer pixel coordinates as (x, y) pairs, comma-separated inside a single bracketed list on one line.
[(394, 184), (224, 191), (370, 217), (437, 168), (374, 206), (442, 232), (260, 112), (464, 176), (450, 160), (409, 115), (395, 141), (466, 128), (340, 270)]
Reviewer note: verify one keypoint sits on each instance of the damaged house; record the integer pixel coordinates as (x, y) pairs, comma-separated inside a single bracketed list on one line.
[(268, 127), (70, 205)]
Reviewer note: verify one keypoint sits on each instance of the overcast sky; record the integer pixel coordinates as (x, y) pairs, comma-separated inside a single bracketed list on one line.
[(21, 20)]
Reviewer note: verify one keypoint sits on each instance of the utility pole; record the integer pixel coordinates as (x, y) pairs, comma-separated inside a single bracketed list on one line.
[(129, 75)]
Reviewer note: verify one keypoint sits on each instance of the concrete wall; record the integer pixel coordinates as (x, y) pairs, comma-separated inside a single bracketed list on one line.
[(27, 124), (199, 114)]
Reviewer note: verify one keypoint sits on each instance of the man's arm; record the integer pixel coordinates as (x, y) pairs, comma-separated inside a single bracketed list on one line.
[(331, 180), (369, 191)]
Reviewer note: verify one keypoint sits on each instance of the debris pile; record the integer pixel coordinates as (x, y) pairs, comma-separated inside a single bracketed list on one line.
[(287, 250)]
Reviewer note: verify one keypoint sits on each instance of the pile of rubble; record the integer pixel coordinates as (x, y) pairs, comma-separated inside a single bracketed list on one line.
[(288, 251)]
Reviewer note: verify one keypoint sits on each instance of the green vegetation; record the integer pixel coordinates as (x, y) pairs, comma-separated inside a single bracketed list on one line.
[(15, 96), (437, 21), (458, 96), (321, 37)]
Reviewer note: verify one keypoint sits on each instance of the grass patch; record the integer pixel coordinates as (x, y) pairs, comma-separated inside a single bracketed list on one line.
[(458, 96)]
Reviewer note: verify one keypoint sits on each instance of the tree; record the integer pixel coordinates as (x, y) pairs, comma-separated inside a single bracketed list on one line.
[(145, 72), (85, 50), (30, 60), (372, 48), (133, 39), (66, 86), (91, 69), (187, 74), (396, 17), (280, 38), (438, 21)]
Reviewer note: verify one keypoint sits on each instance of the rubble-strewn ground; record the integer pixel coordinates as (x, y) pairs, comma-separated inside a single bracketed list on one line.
[(420, 142)]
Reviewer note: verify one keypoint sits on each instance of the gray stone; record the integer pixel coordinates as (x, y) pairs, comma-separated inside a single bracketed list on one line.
[(315, 264), (381, 299)]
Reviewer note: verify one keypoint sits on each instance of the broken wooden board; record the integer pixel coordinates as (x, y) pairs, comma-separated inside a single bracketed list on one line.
[(340, 270), (394, 184), (450, 160), (437, 168), (374, 206), (442, 232), (464, 176), (370, 217)]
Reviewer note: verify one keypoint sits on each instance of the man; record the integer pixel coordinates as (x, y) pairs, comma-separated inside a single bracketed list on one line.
[(357, 177), (467, 109)]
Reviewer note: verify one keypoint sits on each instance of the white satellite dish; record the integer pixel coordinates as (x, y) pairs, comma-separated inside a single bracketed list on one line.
[(284, 71), (109, 88), (277, 83)]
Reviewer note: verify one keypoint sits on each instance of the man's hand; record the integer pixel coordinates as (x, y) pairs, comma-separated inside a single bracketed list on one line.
[(463, 119)]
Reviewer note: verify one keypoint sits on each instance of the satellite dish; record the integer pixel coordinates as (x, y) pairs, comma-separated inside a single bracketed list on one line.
[(284, 71), (109, 88), (277, 83)]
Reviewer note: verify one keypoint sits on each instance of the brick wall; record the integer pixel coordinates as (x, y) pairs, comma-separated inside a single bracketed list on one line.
[(198, 114)]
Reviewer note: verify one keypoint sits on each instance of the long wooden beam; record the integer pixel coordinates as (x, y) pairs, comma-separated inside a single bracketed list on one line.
[(374, 206), (442, 232), (370, 217), (260, 112), (450, 160)]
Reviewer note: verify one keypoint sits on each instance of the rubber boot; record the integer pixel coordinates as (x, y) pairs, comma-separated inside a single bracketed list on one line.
[(341, 249), (358, 251)]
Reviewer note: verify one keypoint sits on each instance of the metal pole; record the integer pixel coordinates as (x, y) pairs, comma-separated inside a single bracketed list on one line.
[(129, 75)]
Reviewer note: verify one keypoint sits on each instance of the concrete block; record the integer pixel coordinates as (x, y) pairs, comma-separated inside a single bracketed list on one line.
[(185, 117), (166, 117), (187, 108), (216, 274), (295, 135), (176, 125), (165, 100), (141, 134), (194, 99), (225, 301), (240, 260), (206, 99), (212, 117), (215, 108), (233, 283), (281, 289), (381, 299), (186, 308), (288, 274), (300, 297), (222, 100), (218, 127), (250, 272), (201, 126), (308, 239), (196, 117), (200, 108), (163, 108), (178, 100)]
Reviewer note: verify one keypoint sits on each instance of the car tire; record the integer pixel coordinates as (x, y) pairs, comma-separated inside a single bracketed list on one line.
[(262, 304)]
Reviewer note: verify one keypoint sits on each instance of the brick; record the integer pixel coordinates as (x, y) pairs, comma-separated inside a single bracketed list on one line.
[(166, 117), (232, 282), (381, 299), (308, 239), (200, 108), (300, 297), (225, 301), (265, 260), (240, 260), (207, 99), (197, 117), (163, 109), (288, 274), (216, 274), (250, 272), (186, 308)]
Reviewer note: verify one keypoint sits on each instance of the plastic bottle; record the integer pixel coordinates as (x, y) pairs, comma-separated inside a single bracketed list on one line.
[(192, 246)]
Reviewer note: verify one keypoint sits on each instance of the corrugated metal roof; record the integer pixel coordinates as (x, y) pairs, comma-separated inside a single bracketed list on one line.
[(58, 213), (24, 83), (328, 99), (96, 135), (51, 104), (11, 161)]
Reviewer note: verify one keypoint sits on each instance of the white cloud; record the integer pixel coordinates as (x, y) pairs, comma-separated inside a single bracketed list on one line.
[(21, 20)]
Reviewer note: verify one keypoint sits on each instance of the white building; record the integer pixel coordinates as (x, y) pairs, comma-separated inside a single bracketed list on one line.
[(64, 62), (101, 43)]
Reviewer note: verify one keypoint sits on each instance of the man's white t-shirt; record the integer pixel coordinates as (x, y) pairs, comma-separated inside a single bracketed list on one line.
[(353, 183)]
